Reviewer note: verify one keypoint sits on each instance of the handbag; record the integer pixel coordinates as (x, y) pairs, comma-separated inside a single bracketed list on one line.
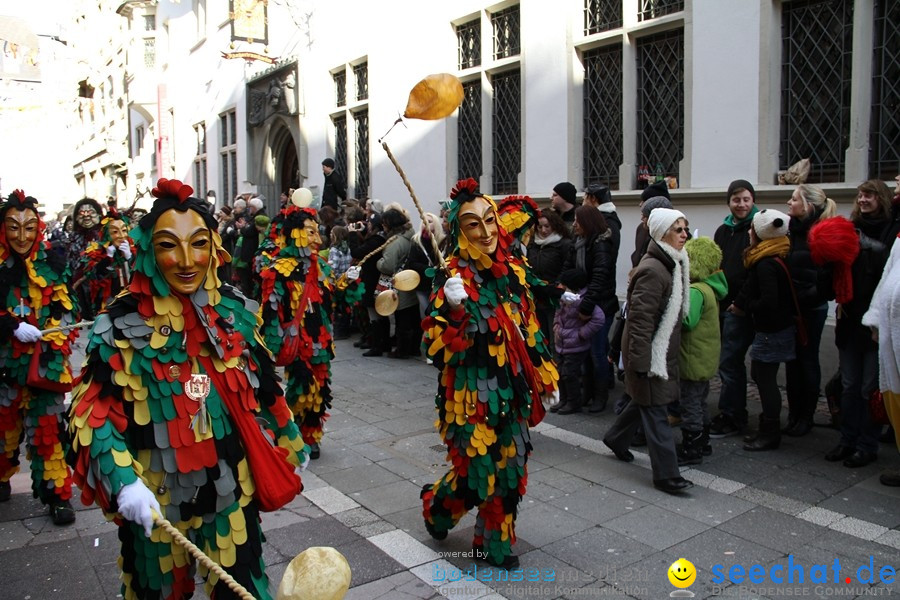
[(615, 331), (877, 410), (40, 381), (800, 324)]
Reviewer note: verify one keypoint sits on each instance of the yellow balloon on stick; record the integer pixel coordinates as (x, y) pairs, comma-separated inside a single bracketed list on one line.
[(435, 97)]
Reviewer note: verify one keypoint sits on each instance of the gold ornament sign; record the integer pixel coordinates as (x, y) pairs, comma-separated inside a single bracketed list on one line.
[(249, 20)]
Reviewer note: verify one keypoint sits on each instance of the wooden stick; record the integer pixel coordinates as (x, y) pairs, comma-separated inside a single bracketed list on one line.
[(77, 325), (434, 244), (197, 553)]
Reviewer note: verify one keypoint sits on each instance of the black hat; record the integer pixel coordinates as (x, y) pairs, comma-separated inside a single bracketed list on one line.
[(738, 184), (574, 279), (567, 191), (328, 162), (660, 188), (600, 192)]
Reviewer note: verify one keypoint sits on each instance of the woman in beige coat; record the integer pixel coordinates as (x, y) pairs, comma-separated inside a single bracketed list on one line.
[(657, 297)]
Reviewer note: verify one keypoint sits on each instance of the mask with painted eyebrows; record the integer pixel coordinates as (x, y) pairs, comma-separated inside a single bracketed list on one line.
[(182, 247)]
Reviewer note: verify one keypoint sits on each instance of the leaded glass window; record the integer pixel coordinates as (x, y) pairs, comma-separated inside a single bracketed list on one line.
[(603, 115), (361, 119), (660, 101), (340, 88), (602, 15), (469, 132), (506, 32), (468, 36), (507, 132), (361, 72), (817, 44), (884, 140), (651, 9), (340, 147)]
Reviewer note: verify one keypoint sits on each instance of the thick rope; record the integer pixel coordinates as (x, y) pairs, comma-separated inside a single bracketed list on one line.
[(206, 561), (434, 244)]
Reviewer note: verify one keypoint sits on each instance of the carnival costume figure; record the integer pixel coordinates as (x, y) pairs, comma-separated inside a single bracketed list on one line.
[(87, 213), (34, 368), (298, 296), (107, 263), (179, 412), (481, 331)]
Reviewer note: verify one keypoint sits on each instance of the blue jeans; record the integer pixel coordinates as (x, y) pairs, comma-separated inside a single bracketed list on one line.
[(804, 374), (859, 376), (598, 370), (737, 335)]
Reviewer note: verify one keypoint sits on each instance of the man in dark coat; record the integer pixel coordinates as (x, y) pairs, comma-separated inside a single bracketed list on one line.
[(334, 186)]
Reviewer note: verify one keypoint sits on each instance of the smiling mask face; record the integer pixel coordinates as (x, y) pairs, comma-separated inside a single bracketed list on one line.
[(182, 246), (21, 230), (478, 223)]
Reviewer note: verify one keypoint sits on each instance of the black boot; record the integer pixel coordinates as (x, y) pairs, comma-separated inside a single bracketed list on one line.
[(705, 446), (601, 397), (768, 438), (689, 452)]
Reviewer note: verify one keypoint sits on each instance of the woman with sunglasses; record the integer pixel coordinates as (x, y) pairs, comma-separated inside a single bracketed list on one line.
[(657, 299)]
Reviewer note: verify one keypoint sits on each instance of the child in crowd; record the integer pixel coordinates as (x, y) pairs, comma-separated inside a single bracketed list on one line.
[(700, 346), (573, 339)]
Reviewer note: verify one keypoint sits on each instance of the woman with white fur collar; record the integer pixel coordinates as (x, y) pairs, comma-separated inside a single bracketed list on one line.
[(658, 294)]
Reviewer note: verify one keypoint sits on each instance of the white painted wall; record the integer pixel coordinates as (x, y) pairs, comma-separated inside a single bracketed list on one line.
[(725, 128)]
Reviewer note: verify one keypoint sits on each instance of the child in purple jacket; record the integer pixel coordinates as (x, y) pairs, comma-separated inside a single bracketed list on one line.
[(573, 339)]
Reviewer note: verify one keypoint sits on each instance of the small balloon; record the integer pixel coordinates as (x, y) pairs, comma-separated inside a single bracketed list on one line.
[(435, 97), (302, 197), (318, 572), (406, 280), (386, 303)]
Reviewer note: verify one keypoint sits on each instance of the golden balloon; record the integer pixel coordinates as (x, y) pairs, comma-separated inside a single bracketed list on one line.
[(386, 303), (319, 572), (435, 97), (406, 280)]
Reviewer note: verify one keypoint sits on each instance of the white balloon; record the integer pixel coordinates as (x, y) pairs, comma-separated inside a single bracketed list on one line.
[(302, 197)]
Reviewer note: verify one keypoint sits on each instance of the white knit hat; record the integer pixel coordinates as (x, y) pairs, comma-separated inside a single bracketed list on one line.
[(660, 220), (770, 224)]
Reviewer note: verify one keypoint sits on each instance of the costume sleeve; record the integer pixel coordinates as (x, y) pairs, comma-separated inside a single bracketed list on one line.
[(692, 317), (101, 459)]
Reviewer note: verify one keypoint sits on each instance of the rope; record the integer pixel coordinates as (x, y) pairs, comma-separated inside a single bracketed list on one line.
[(434, 245), (342, 281), (206, 561)]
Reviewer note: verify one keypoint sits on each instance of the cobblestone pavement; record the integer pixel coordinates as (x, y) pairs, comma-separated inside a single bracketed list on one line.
[(589, 526)]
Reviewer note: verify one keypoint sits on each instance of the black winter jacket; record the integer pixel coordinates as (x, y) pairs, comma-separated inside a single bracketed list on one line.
[(766, 296), (808, 278), (369, 272), (600, 265), (733, 239)]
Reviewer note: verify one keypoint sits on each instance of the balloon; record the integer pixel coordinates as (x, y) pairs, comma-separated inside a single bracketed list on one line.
[(435, 97), (386, 302), (319, 572), (302, 197), (406, 280)]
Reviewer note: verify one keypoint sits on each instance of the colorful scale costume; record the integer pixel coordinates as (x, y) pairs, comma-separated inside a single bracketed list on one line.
[(297, 293), (33, 290), (495, 367), (133, 416), (105, 276)]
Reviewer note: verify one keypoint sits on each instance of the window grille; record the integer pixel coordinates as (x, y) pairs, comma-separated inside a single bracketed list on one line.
[(602, 15), (603, 115), (652, 9), (228, 154), (660, 102), (817, 44), (149, 52), (506, 32), (340, 88), (884, 138), (200, 159), (507, 134), (361, 72), (469, 132), (362, 153), (149, 22), (468, 36), (340, 147)]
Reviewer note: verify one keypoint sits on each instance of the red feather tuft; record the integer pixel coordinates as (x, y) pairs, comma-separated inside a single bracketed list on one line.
[(468, 185), (172, 187), (835, 241), (20, 195)]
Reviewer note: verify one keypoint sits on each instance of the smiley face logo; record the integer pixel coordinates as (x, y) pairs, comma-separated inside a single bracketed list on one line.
[(682, 573)]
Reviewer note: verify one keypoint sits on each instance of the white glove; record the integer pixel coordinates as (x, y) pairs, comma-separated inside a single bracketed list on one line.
[(353, 273), (137, 503), (125, 249), (570, 297), (27, 333), (455, 291), (110, 250), (550, 400)]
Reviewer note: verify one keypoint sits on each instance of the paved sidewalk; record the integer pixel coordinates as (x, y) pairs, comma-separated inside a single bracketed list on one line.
[(589, 526)]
